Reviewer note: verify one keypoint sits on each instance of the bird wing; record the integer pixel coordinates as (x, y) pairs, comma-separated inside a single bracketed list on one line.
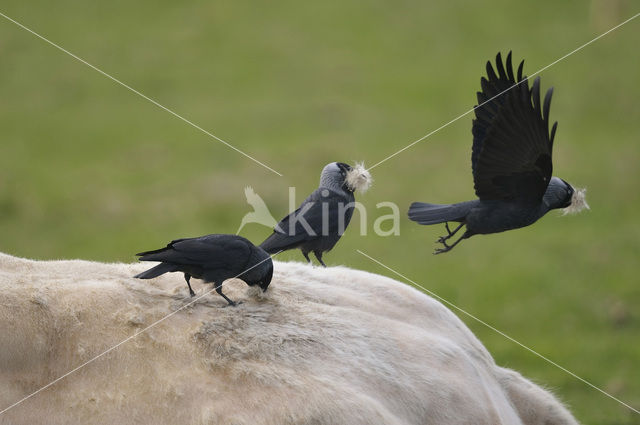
[(211, 251), (511, 155), (313, 211)]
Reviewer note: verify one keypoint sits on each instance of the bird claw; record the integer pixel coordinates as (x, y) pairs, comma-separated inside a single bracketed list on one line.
[(442, 250), (233, 304), (443, 239), (446, 248)]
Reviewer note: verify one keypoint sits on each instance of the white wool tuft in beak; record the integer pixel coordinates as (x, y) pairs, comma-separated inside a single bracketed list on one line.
[(358, 178), (578, 202)]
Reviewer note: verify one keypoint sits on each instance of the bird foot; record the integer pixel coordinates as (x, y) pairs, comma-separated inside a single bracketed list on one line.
[(233, 304), (446, 248), (443, 239)]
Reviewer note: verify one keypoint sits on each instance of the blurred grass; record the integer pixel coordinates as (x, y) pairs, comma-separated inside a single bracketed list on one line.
[(89, 170)]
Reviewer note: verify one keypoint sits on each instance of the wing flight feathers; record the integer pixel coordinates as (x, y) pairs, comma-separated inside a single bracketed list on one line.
[(511, 155)]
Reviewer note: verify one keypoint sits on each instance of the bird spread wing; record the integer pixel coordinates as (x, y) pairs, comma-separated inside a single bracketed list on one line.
[(315, 210), (511, 155), (211, 251)]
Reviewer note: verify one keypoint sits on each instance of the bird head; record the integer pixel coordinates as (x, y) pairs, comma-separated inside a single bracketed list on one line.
[(560, 194), (346, 177), (266, 277)]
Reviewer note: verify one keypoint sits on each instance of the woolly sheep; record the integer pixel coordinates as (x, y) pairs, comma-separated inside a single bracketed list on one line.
[(322, 346)]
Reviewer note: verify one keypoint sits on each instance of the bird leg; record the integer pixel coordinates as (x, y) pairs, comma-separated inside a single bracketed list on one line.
[(219, 291), (448, 248), (187, 277), (318, 255), (442, 239), (306, 256)]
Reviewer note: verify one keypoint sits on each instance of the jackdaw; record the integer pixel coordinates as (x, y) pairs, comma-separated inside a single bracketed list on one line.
[(214, 259), (319, 222), (510, 160)]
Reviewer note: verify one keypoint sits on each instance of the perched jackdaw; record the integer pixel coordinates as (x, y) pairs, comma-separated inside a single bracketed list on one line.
[(212, 258), (319, 222), (510, 160)]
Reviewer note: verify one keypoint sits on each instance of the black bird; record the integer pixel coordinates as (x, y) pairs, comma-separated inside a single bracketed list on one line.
[(214, 259), (510, 160), (319, 222)]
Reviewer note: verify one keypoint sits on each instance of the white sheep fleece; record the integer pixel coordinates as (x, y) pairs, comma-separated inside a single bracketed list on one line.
[(322, 346)]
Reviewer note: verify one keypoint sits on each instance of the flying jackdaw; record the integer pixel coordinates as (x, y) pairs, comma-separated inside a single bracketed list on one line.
[(510, 160), (214, 259), (319, 222)]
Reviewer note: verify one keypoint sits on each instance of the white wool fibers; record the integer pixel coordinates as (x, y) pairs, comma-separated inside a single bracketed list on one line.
[(358, 178), (578, 202)]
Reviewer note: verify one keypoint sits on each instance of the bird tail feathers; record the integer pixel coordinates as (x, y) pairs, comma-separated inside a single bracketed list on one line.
[(424, 213), (277, 242), (144, 255), (156, 271)]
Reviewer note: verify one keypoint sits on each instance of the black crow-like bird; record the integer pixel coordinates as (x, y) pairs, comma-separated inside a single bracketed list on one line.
[(214, 259), (510, 160), (319, 222)]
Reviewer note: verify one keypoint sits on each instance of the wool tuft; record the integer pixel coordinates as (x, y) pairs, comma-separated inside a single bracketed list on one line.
[(578, 202), (358, 178)]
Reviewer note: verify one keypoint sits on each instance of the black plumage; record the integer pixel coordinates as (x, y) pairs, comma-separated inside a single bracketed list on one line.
[(319, 222), (214, 259), (511, 161)]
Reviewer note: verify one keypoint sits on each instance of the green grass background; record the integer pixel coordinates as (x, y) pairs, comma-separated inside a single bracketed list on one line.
[(90, 170)]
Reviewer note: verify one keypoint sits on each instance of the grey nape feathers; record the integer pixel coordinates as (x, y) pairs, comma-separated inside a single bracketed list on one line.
[(319, 222), (510, 160), (214, 259)]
